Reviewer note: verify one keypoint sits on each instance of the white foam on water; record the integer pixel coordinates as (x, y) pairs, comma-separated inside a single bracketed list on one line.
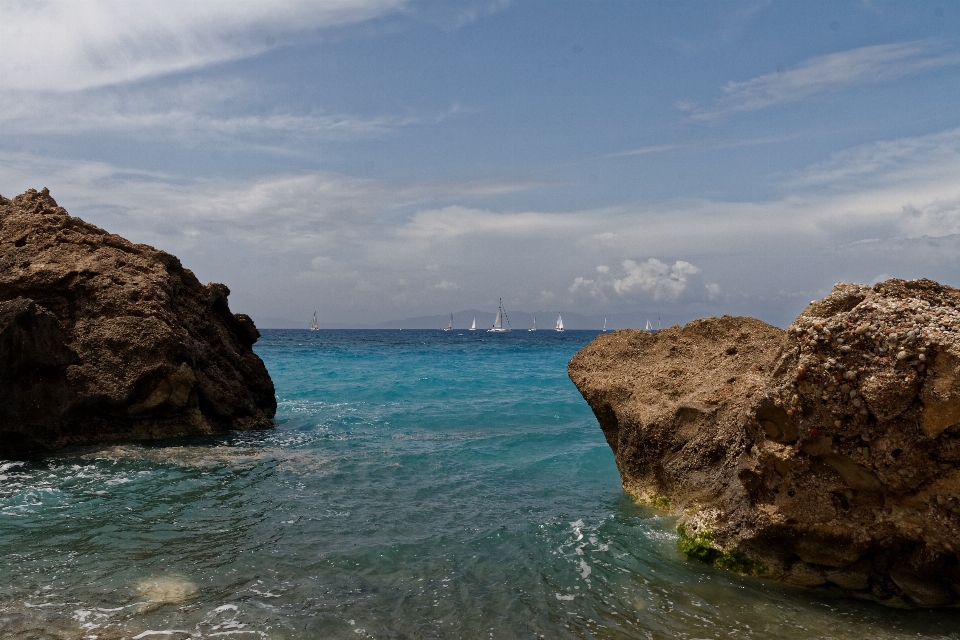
[(161, 632), (576, 529), (566, 597), (6, 466), (585, 570)]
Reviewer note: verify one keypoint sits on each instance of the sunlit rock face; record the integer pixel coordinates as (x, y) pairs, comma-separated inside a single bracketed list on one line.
[(101, 338), (828, 453)]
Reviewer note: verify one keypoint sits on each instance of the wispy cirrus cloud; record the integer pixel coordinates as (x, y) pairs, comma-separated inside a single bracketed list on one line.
[(715, 145), (185, 124), (101, 65), (830, 72), (192, 113), (93, 44), (932, 158)]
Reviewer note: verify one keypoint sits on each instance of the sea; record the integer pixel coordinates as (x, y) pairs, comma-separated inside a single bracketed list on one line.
[(418, 484)]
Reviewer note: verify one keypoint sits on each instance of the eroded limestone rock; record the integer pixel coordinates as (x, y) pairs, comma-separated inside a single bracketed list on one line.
[(101, 338), (829, 452)]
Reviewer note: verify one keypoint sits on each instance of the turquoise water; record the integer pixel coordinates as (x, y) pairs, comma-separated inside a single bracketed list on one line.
[(418, 484)]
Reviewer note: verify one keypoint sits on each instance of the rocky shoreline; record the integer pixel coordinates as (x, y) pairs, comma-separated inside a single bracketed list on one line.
[(825, 453), (104, 339)]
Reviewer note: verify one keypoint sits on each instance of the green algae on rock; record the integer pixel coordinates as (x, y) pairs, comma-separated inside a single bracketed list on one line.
[(701, 547)]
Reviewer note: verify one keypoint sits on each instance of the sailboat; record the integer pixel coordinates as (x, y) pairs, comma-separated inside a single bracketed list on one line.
[(559, 323), (498, 323), (649, 326), (534, 327), (449, 324), (314, 325), (604, 323), (473, 327)]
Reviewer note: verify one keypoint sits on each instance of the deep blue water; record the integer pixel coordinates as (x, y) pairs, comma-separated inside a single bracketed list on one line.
[(418, 484)]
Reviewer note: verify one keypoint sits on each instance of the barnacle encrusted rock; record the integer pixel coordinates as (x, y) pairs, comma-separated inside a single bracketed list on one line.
[(826, 453), (101, 339)]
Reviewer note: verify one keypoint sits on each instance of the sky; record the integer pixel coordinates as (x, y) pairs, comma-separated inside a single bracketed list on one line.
[(375, 160)]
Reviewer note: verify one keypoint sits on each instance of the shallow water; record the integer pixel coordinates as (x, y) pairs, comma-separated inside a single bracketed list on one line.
[(418, 485)]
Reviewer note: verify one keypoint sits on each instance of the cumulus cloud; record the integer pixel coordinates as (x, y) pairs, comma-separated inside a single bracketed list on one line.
[(90, 44), (655, 277), (587, 286), (651, 279), (827, 73)]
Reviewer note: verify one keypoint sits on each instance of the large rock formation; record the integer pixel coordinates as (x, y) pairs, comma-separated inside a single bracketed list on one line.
[(101, 338), (826, 453)]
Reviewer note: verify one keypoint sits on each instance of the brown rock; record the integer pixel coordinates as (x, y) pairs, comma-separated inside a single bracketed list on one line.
[(941, 395), (118, 339), (923, 591), (804, 575), (856, 577), (826, 452)]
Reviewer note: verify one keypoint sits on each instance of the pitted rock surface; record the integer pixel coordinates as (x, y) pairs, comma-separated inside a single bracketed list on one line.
[(825, 453), (103, 339)]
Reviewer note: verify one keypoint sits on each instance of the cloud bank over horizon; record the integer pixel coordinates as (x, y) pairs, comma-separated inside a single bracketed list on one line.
[(332, 231)]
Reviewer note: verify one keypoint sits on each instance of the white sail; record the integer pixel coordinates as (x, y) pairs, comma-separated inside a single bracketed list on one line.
[(449, 324), (314, 325), (559, 322), (534, 327), (604, 323), (649, 326), (498, 323), (473, 327)]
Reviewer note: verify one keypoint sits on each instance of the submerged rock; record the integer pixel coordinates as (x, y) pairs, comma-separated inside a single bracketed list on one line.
[(826, 453), (102, 339)]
